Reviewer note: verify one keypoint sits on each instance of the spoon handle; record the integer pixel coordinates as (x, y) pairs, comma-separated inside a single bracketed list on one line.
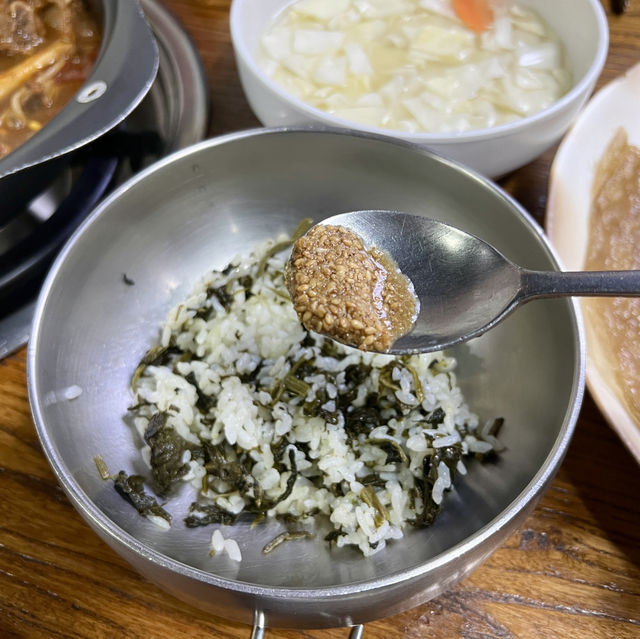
[(579, 283)]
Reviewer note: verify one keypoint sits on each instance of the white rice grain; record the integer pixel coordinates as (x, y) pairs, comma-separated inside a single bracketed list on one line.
[(232, 549), (217, 541)]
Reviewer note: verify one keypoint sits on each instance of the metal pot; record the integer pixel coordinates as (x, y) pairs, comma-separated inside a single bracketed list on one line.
[(197, 209), (123, 73)]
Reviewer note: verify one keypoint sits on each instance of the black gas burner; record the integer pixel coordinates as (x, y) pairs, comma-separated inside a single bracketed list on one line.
[(173, 115), (30, 240)]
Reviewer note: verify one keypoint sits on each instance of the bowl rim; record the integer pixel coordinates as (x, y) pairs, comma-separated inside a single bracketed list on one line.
[(578, 92), (120, 538)]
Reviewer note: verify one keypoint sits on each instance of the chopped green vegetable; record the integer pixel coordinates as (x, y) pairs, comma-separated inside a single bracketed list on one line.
[(450, 455), (205, 402), (251, 377), (315, 408), (205, 514), (436, 417), (131, 489), (361, 421), (424, 487), (167, 450), (493, 428), (395, 452), (296, 386), (276, 248), (222, 294), (329, 348), (246, 282), (291, 383), (233, 473), (333, 535), (282, 294), (308, 341), (286, 536), (304, 225), (417, 384), (300, 230), (156, 356), (157, 421), (291, 480), (373, 480), (356, 374), (369, 497), (204, 312), (386, 377), (101, 465)]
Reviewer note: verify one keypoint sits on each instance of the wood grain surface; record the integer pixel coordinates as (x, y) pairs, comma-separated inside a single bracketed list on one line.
[(572, 571)]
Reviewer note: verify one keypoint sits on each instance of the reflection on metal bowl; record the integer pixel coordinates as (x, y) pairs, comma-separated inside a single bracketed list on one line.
[(196, 210)]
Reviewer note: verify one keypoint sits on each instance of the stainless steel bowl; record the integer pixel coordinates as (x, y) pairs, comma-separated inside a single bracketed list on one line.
[(124, 71), (196, 210)]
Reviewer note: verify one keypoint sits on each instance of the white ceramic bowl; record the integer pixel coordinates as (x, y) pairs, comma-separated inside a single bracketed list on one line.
[(580, 24), (568, 213)]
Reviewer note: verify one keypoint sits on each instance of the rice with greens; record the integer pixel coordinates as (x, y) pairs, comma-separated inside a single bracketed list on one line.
[(264, 419)]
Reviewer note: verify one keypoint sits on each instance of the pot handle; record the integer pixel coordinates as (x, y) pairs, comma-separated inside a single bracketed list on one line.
[(258, 630)]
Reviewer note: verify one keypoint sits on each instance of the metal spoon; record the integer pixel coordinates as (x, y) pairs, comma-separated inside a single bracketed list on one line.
[(464, 285)]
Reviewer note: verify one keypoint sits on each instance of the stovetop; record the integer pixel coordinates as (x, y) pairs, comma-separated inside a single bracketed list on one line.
[(172, 116)]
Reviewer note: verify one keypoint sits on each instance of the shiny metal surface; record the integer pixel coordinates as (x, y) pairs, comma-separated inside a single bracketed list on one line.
[(196, 210), (464, 285), (179, 97)]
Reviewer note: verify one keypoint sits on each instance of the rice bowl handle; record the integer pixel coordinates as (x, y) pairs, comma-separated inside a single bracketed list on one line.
[(257, 631)]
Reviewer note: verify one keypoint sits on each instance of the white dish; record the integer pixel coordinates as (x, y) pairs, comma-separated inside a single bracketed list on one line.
[(580, 24), (568, 210)]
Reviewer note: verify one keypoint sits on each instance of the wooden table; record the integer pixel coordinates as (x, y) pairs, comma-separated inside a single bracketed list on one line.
[(572, 571)]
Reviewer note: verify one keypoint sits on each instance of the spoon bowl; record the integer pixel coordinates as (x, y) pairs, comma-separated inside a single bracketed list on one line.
[(463, 284)]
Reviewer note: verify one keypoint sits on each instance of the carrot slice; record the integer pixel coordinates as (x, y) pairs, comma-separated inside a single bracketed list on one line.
[(476, 14)]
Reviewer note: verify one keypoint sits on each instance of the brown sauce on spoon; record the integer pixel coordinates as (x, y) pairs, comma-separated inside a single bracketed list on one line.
[(354, 294)]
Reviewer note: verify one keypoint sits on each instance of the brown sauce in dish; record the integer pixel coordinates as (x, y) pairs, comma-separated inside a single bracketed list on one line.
[(613, 324), (353, 294), (47, 51)]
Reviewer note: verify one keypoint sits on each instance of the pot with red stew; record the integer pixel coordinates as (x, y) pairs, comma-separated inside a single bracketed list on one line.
[(70, 70)]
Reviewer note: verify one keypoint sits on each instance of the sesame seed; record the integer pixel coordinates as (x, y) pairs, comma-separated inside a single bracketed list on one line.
[(346, 291)]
